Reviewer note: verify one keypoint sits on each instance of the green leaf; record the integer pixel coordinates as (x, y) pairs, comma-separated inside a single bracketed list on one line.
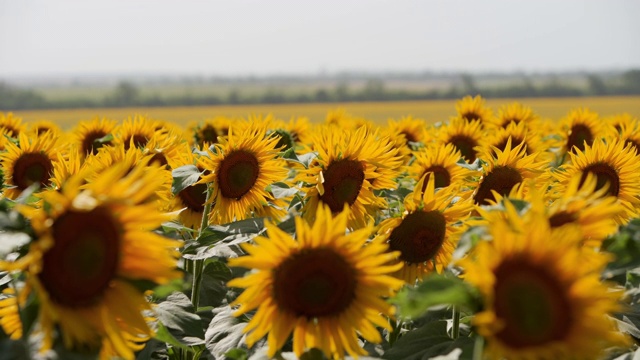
[(435, 290), (428, 342), (183, 177), (213, 288), (222, 240), (177, 315), (625, 246), (237, 354), (13, 349), (225, 332), (281, 190), (153, 350)]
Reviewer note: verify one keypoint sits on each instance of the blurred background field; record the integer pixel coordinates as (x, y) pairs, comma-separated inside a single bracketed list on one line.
[(378, 112)]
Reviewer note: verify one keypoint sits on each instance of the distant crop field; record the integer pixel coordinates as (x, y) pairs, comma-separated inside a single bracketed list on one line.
[(378, 112)]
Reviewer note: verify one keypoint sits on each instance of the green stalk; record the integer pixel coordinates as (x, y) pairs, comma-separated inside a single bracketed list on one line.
[(478, 348), (455, 328), (198, 265)]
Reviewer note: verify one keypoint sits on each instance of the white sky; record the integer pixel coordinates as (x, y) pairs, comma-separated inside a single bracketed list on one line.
[(241, 37)]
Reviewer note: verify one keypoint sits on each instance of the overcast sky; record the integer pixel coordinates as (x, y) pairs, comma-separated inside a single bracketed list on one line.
[(231, 37)]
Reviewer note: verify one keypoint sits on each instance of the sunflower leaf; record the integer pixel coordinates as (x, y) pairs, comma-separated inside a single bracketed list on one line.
[(430, 341), (433, 291), (214, 277), (225, 332), (183, 177), (281, 190), (177, 315)]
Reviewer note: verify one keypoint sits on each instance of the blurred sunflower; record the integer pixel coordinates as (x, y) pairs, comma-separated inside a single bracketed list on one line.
[(240, 169), (28, 162), (191, 199), (427, 232), (324, 286), (11, 124), (502, 173), (615, 165), (581, 205), (473, 108), (519, 133), (90, 136), (628, 131), (42, 126), (514, 113), (350, 165), (543, 298), (581, 127), (136, 132), (91, 245), (464, 135), (207, 133), (441, 162), (616, 122)]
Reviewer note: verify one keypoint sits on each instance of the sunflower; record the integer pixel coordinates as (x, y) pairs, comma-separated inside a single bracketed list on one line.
[(10, 312), (441, 161), (136, 132), (514, 113), (190, 200), (465, 135), (581, 206), (473, 108), (519, 133), (543, 298), (90, 136), (580, 128), (42, 126), (165, 146), (11, 124), (350, 165), (616, 122), (502, 173), (428, 231), (616, 167), (325, 286), (628, 130), (92, 246), (29, 162), (206, 134), (240, 169)]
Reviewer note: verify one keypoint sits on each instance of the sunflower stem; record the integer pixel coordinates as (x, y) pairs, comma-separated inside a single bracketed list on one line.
[(455, 328), (205, 213), (198, 265), (396, 326), (478, 348)]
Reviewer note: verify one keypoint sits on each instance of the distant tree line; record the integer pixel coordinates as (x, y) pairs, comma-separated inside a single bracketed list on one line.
[(126, 94)]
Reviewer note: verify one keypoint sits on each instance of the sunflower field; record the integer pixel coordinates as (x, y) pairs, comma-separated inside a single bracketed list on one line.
[(494, 234)]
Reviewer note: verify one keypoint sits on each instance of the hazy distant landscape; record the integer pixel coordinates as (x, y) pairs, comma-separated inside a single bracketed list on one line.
[(128, 90)]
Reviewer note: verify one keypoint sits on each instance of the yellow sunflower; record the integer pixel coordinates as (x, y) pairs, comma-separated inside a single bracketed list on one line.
[(502, 173), (473, 108), (616, 167), (543, 298), (581, 205), (519, 133), (87, 133), (350, 165), (136, 132), (428, 231), (616, 122), (240, 169), (207, 133), (628, 130), (91, 245), (29, 162), (464, 135), (42, 126), (11, 124), (514, 113), (325, 286), (190, 200), (442, 162), (581, 127)]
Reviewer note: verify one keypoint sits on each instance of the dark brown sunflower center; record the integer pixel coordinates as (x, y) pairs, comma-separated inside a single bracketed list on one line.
[(578, 136), (314, 283), (419, 237), (515, 141), (441, 177), (466, 146), (501, 180), (159, 159), (342, 183), (561, 218), (32, 168), (237, 174), (89, 143), (208, 135), (532, 303), (194, 197), (471, 115), (84, 257), (605, 174), (138, 140), (507, 121), (409, 136)]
